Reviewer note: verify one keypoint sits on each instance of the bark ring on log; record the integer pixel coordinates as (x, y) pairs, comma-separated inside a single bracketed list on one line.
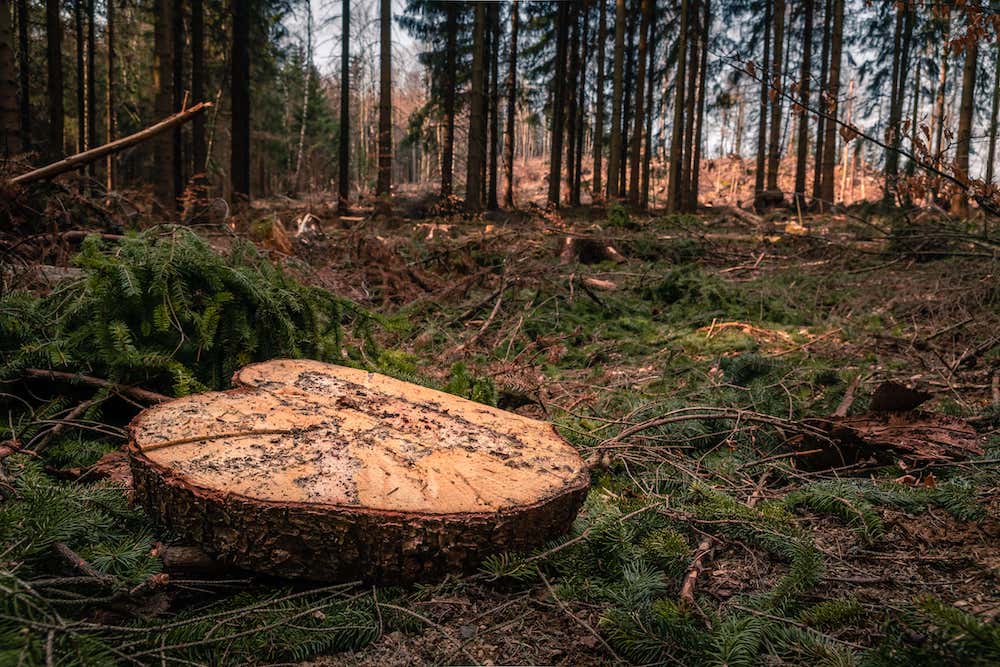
[(330, 473)]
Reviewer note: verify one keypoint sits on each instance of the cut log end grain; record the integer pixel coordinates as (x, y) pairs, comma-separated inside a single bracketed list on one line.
[(332, 473)]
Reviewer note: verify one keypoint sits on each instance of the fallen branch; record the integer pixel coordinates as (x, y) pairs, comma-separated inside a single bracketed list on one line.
[(697, 567), (74, 161), (61, 376)]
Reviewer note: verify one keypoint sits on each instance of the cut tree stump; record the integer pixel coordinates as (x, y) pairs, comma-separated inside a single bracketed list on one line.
[(330, 473)]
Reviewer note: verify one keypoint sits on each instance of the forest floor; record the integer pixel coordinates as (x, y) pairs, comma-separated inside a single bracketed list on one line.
[(697, 364)]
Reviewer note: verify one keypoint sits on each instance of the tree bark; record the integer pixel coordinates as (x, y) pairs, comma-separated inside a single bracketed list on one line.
[(476, 149), (163, 149), (833, 89), (343, 148), (942, 84), (821, 121), (618, 68), (627, 94), (508, 195), (10, 125), (765, 85), (111, 111), (960, 201), (991, 152), (805, 80), (635, 150), (491, 190), (900, 69), (53, 57), (558, 108), (581, 106), (239, 168), (602, 38), (675, 195), (384, 183), (81, 77), (647, 155), (177, 137), (690, 100), (777, 70), (571, 99), (24, 73), (700, 113), (306, 85)]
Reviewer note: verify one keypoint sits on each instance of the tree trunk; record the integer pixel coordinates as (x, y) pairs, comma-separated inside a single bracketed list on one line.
[(53, 57), (960, 200), (602, 38), (111, 112), (476, 149), (558, 109), (833, 90), (647, 155), (690, 104), (508, 194), (491, 191), (777, 68), (805, 78), (384, 184), (306, 85), (991, 153), (635, 150), (765, 85), (627, 93), (81, 78), (10, 126), (581, 106), (178, 101), (24, 73), (675, 196), (618, 68), (900, 69), (823, 102), (163, 157), (942, 84), (239, 168), (700, 112), (571, 98), (343, 147)]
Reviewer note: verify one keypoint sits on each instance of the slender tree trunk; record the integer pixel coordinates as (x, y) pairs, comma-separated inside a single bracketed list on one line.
[(10, 124), (900, 68), (558, 109), (91, 84), (508, 194), (628, 92), (823, 102), (805, 79), (81, 78), (163, 71), (602, 38), (991, 152), (833, 88), (384, 184), (960, 201), (765, 84), (942, 85), (581, 106), (571, 98), (24, 73), (307, 65), (476, 149), (777, 69), (700, 117), (618, 68), (53, 57), (111, 112), (239, 167), (674, 192), (178, 102), (635, 150), (491, 196), (344, 140), (647, 155), (690, 104)]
